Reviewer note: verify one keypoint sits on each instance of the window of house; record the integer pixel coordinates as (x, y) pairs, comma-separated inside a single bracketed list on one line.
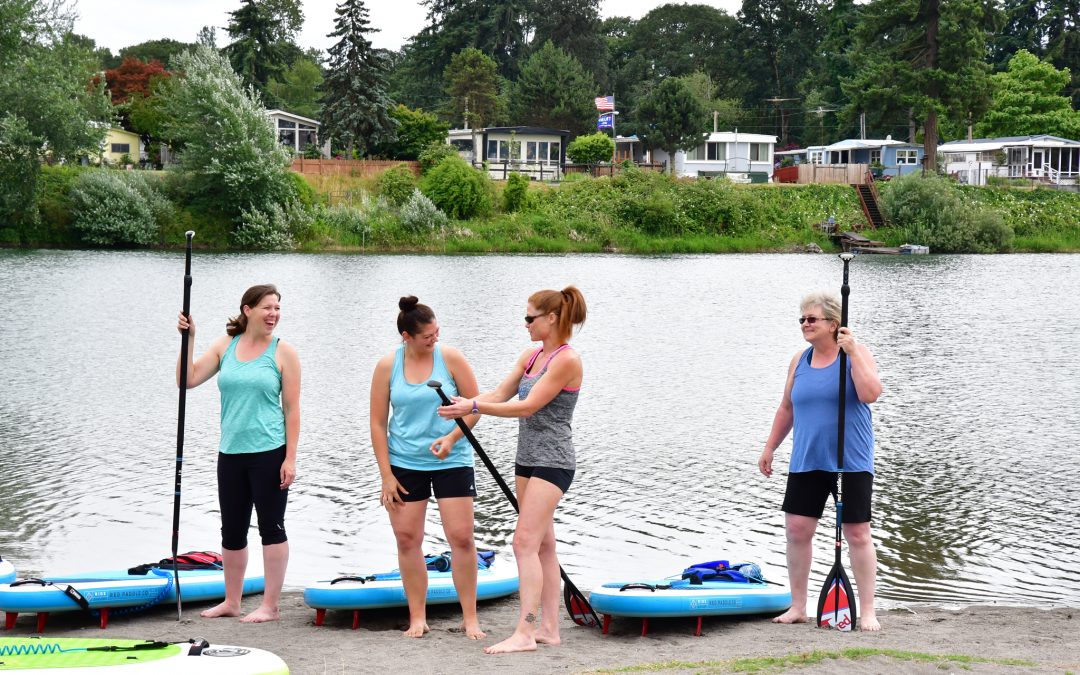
[(553, 152), (287, 137), (542, 150), (121, 148), (499, 150), (815, 156), (875, 156), (286, 124), (759, 152), (530, 151), (711, 152), (907, 156)]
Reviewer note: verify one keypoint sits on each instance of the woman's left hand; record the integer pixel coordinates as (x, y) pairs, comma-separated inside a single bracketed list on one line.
[(846, 340), (288, 474), (442, 446), (459, 408)]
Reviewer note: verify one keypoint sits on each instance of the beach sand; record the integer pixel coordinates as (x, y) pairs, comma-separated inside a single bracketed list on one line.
[(1048, 641)]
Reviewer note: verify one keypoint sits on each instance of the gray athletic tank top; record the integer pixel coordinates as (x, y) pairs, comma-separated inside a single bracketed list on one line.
[(545, 438)]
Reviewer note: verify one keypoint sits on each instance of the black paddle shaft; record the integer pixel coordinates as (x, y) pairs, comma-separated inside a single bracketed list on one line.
[(184, 341), (571, 588)]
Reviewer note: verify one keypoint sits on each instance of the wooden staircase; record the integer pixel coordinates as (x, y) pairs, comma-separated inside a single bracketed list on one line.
[(871, 202)]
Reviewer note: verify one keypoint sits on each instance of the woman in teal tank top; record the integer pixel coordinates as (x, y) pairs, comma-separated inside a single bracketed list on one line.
[(259, 381), (417, 459)]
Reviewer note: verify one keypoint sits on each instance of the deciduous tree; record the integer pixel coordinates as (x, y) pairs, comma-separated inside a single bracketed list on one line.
[(1027, 99)]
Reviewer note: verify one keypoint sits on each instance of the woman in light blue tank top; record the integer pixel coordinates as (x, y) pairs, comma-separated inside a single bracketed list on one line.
[(810, 408), (259, 382), (417, 460), (542, 391)]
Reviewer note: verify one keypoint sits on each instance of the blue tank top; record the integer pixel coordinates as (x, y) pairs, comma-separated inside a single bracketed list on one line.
[(415, 424), (815, 399), (252, 419)]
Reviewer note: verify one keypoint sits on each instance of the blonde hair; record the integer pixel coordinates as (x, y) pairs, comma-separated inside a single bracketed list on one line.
[(567, 304), (829, 304)]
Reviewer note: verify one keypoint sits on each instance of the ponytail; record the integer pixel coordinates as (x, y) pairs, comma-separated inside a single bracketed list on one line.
[(568, 305), (252, 297)]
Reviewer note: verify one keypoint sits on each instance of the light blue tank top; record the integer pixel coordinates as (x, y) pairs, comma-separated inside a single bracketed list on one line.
[(815, 399), (415, 424), (252, 419)]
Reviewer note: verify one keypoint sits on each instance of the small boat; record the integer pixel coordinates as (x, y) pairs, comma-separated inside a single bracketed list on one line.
[(377, 591), (133, 589), (7, 572), (914, 249), (705, 589), (100, 656)]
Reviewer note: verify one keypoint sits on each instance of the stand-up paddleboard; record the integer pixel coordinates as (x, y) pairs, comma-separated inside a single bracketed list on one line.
[(377, 591), (705, 589), (93, 656), (140, 587), (7, 572)]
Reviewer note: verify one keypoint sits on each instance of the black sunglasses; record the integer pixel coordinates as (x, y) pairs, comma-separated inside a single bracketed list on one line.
[(530, 319), (811, 319)]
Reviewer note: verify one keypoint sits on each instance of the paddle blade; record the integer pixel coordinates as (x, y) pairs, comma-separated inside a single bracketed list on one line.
[(581, 612), (836, 604)]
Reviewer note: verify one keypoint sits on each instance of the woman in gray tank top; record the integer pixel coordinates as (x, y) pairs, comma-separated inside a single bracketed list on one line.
[(541, 390)]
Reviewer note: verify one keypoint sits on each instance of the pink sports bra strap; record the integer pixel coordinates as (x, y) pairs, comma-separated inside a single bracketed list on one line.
[(532, 360)]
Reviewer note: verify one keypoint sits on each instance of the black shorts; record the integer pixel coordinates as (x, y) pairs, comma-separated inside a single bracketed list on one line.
[(456, 481), (560, 478), (807, 492), (246, 480)]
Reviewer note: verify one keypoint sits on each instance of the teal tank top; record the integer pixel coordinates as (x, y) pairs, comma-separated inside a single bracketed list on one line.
[(252, 419), (415, 424)]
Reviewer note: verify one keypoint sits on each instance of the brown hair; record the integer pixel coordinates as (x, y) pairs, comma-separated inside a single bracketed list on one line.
[(252, 297), (413, 315), (567, 304)]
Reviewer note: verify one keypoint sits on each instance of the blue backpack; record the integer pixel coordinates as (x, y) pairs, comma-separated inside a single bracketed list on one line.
[(722, 570)]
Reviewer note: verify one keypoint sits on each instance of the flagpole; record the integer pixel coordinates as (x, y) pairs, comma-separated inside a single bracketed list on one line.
[(614, 135)]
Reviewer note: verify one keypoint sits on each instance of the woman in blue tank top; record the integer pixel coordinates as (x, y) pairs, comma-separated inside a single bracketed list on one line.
[(541, 391), (810, 407), (417, 460), (259, 381)]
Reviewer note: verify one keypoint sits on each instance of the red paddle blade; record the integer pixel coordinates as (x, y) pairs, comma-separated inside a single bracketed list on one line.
[(836, 609), (581, 612)]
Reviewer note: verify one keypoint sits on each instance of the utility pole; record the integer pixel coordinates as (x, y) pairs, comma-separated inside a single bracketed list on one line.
[(862, 126)]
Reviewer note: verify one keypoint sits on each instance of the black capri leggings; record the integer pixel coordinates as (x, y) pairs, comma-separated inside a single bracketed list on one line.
[(251, 479)]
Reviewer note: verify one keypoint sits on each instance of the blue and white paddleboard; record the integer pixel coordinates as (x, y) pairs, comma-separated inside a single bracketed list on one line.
[(112, 589), (375, 591), (7, 572)]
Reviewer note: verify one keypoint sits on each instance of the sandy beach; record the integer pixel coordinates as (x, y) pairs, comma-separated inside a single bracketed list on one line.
[(990, 639)]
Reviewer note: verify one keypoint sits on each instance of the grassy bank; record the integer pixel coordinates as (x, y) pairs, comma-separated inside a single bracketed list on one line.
[(632, 213)]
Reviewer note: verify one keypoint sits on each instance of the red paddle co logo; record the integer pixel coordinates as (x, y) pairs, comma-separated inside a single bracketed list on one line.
[(833, 617)]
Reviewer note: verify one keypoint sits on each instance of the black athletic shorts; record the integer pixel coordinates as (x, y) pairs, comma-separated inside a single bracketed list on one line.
[(808, 491), (456, 481), (560, 478)]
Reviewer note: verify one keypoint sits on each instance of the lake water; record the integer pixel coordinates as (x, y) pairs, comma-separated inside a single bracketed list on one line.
[(978, 476)]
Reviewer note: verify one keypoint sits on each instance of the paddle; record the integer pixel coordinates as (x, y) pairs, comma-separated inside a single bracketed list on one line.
[(581, 612), (184, 337), (836, 604)]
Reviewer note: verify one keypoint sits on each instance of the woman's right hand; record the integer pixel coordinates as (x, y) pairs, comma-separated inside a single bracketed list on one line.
[(391, 494), (764, 462), (187, 322)]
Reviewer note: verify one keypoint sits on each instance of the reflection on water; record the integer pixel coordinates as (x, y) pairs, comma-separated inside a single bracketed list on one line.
[(685, 358)]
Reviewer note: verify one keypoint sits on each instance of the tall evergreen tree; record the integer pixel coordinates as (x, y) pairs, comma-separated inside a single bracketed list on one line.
[(554, 91), (671, 118), (926, 57), (472, 81), (356, 107), (574, 27), (256, 52)]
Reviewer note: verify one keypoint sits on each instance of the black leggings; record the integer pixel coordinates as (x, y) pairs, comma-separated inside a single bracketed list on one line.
[(251, 479)]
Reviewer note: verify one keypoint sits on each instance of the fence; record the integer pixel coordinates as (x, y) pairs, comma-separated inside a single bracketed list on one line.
[(360, 168), (845, 174)]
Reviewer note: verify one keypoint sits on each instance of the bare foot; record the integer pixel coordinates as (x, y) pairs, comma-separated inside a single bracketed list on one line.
[(472, 631), (545, 638), (417, 630), (514, 643), (262, 615), (869, 623), (224, 609), (791, 616)]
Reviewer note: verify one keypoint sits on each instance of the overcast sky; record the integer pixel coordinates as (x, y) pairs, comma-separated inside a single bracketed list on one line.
[(122, 23)]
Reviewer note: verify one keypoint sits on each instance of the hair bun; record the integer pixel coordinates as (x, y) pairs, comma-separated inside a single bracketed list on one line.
[(408, 303)]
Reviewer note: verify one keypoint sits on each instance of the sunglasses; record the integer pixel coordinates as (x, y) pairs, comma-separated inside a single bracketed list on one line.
[(811, 319), (530, 319)]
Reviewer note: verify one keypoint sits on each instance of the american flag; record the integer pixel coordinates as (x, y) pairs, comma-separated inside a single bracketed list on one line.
[(605, 102)]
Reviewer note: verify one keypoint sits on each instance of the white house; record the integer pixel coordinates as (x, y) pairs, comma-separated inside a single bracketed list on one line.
[(741, 156), (296, 132), (1043, 157), (537, 152)]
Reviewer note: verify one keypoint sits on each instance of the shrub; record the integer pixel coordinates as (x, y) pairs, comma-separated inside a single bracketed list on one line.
[(433, 154), (457, 189), (397, 184), (992, 233), (304, 193), (930, 211), (111, 208), (515, 192), (591, 149), (420, 214), (275, 228)]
